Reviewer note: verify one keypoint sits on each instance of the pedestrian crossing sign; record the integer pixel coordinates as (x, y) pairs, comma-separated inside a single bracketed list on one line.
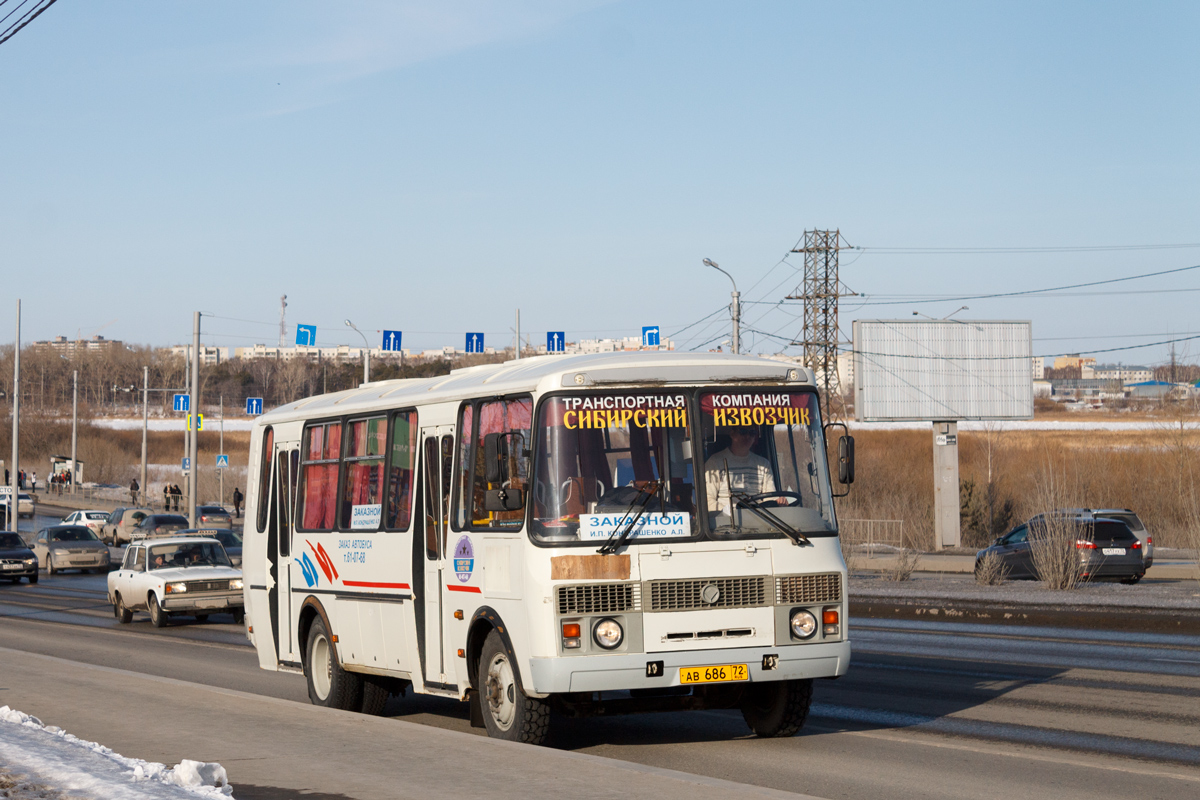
[(222, 461)]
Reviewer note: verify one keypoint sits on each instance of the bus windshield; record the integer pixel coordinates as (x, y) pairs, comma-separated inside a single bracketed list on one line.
[(765, 466), (605, 460)]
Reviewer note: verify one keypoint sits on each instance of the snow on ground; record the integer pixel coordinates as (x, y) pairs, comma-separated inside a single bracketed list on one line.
[(172, 424), (1035, 425), (42, 762)]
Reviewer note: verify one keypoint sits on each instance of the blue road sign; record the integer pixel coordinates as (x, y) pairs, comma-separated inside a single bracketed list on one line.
[(199, 422), (253, 406), (306, 335), (183, 402), (222, 461), (556, 342), (474, 342), (186, 463), (650, 336), (391, 341)]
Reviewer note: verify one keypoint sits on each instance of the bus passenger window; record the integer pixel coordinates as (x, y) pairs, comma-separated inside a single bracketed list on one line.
[(362, 490), (514, 418), (318, 476), (264, 476), (400, 478)]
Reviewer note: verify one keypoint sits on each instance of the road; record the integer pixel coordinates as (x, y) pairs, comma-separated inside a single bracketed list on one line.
[(929, 710)]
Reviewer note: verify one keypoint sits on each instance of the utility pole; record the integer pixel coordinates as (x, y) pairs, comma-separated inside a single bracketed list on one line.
[(74, 429), (194, 405), (14, 498), (145, 425), (221, 472), (820, 292), (518, 345)]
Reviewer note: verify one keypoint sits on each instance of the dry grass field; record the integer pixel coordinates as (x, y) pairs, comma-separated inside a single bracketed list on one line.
[(1155, 472)]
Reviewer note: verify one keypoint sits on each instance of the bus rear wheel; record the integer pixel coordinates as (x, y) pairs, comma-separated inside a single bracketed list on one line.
[(777, 709), (328, 684), (508, 713)]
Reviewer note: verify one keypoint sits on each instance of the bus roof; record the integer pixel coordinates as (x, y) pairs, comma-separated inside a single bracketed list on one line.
[(545, 373)]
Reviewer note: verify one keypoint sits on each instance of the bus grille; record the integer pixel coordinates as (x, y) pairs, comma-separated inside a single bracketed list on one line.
[(808, 588), (599, 598), (689, 594), (208, 586)]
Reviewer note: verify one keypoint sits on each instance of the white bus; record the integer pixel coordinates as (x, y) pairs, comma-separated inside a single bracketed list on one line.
[(584, 534)]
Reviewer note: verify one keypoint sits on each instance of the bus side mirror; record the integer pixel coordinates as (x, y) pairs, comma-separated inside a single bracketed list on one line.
[(846, 459)]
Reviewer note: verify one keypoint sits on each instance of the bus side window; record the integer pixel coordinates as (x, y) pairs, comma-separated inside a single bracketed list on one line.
[(401, 471), (432, 503), (514, 418), (264, 476)]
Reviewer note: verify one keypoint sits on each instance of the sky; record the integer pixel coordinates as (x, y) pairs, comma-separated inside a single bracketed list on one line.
[(434, 167)]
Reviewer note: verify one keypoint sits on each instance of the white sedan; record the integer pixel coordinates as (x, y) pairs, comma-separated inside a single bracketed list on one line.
[(89, 519), (176, 575)]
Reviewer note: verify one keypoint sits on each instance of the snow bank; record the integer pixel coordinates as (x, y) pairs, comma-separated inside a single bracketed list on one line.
[(57, 760)]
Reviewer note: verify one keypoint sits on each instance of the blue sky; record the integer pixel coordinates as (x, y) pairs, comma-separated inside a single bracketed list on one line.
[(432, 167)]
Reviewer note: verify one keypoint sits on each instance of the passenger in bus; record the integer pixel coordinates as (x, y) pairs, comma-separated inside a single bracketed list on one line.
[(737, 468)]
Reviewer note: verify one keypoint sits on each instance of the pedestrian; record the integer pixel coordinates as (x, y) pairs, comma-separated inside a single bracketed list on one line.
[(133, 491), (166, 497), (33, 484), (21, 479), (237, 501), (177, 494)]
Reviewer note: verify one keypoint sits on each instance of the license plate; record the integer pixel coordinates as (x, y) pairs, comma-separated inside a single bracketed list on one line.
[(715, 674), (12, 566), (211, 604), (1114, 551)]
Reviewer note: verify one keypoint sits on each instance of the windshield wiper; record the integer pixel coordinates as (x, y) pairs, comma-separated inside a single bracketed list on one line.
[(644, 496), (743, 500)]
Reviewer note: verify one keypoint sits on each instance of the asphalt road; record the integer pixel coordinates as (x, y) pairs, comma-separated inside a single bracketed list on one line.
[(929, 710)]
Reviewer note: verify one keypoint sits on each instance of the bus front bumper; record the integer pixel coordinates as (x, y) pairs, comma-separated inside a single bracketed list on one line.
[(617, 672)]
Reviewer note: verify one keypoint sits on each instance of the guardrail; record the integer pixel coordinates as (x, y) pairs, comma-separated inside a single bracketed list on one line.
[(873, 535)]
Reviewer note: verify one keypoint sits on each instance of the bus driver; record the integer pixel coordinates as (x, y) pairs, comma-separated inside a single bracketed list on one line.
[(736, 467)]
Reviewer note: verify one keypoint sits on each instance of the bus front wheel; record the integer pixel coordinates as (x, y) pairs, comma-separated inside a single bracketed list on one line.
[(777, 708), (328, 684), (508, 713)]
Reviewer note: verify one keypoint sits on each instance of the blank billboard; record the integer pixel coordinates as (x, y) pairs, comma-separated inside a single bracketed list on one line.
[(942, 369)]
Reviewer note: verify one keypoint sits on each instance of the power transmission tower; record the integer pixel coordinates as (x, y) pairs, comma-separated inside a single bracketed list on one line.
[(820, 292)]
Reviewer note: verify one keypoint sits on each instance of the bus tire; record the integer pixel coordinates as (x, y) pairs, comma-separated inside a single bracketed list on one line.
[(328, 684), (375, 695), (508, 713), (778, 708)]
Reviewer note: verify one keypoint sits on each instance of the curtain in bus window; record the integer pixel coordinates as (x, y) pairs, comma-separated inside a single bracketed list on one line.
[(400, 482), (320, 478), (465, 434), (264, 477), (511, 417), (362, 494)]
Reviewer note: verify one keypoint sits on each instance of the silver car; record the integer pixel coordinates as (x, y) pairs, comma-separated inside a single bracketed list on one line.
[(70, 547)]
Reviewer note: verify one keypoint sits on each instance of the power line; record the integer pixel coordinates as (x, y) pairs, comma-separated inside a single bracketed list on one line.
[(888, 250), (24, 20)]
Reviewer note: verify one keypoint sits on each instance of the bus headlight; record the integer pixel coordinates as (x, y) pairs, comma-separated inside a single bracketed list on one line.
[(803, 624), (608, 634)]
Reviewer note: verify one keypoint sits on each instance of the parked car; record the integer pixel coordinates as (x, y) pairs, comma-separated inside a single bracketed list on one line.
[(89, 519), (121, 522), (1135, 524), (213, 516), (158, 524), (71, 547), (176, 575), (1107, 548), (17, 560), (24, 506)]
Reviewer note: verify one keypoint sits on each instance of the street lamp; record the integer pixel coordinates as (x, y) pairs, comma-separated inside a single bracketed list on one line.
[(737, 307), (366, 353)]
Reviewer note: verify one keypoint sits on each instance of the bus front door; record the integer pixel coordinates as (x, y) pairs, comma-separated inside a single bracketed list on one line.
[(437, 450)]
